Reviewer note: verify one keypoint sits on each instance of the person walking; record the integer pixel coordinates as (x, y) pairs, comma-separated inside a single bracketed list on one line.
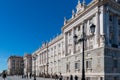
[(30, 75), (76, 78), (4, 75), (60, 77), (71, 77), (34, 76), (56, 77)]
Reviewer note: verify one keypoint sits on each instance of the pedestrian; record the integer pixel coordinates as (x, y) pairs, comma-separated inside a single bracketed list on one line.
[(71, 77), (56, 77), (76, 78), (4, 75), (67, 78), (34, 76), (30, 75), (22, 75), (60, 77), (27, 76)]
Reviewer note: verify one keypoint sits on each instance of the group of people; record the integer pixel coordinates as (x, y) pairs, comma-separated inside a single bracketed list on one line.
[(60, 77), (27, 76), (71, 77)]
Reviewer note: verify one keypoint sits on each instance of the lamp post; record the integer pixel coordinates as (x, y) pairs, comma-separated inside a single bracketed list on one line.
[(82, 39)]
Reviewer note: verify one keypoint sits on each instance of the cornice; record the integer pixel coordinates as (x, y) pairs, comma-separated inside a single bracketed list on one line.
[(53, 42), (114, 4), (79, 15), (49, 44), (111, 48), (88, 8)]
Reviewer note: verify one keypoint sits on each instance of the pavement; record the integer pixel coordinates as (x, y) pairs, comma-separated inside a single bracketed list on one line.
[(20, 78)]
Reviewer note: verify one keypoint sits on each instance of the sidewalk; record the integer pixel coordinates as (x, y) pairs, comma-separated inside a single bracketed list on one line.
[(20, 78)]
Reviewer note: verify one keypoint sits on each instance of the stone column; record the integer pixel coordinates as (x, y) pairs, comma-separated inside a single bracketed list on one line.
[(65, 43), (104, 27), (73, 44), (97, 30)]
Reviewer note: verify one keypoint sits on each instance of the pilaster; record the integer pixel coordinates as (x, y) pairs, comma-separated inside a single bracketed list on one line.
[(97, 30), (65, 43), (104, 27), (73, 44)]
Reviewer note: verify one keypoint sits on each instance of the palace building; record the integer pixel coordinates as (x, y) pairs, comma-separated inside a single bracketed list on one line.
[(102, 50)]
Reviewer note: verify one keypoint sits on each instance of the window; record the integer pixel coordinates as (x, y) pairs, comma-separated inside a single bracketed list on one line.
[(119, 22), (69, 50), (111, 34), (54, 47), (51, 49), (111, 37), (115, 78), (78, 28), (110, 18), (77, 65), (119, 37), (70, 33), (88, 64), (59, 45), (115, 62), (68, 67)]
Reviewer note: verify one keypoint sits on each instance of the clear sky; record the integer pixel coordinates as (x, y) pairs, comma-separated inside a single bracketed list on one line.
[(25, 24)]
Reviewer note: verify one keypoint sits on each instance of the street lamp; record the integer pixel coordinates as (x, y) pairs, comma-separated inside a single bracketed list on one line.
[(82, 39)]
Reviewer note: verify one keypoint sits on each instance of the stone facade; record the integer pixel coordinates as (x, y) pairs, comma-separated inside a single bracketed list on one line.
[(27, 64), (62, 55), (15, 65)]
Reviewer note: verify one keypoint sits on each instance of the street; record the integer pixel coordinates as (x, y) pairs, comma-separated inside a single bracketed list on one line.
[(20, 78)]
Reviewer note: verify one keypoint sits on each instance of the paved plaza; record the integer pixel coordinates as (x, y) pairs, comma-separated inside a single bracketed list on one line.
[(20, 78)]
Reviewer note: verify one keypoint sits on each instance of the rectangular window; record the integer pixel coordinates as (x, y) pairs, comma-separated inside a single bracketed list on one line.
[(110, 18), (115, 78), (111, 32), (68, 67), (69, 51), (70, 33), (119, 22), (78, 28), (54, 47), (115, 62), (119, 37), (88, 64), (59, 45), (77, 65)]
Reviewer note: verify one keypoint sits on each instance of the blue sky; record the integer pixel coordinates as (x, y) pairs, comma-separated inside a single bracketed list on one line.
[(25, 24)]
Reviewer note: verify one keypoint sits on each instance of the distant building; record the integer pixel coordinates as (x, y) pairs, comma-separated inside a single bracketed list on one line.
[(27, 63), (15, 65)]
